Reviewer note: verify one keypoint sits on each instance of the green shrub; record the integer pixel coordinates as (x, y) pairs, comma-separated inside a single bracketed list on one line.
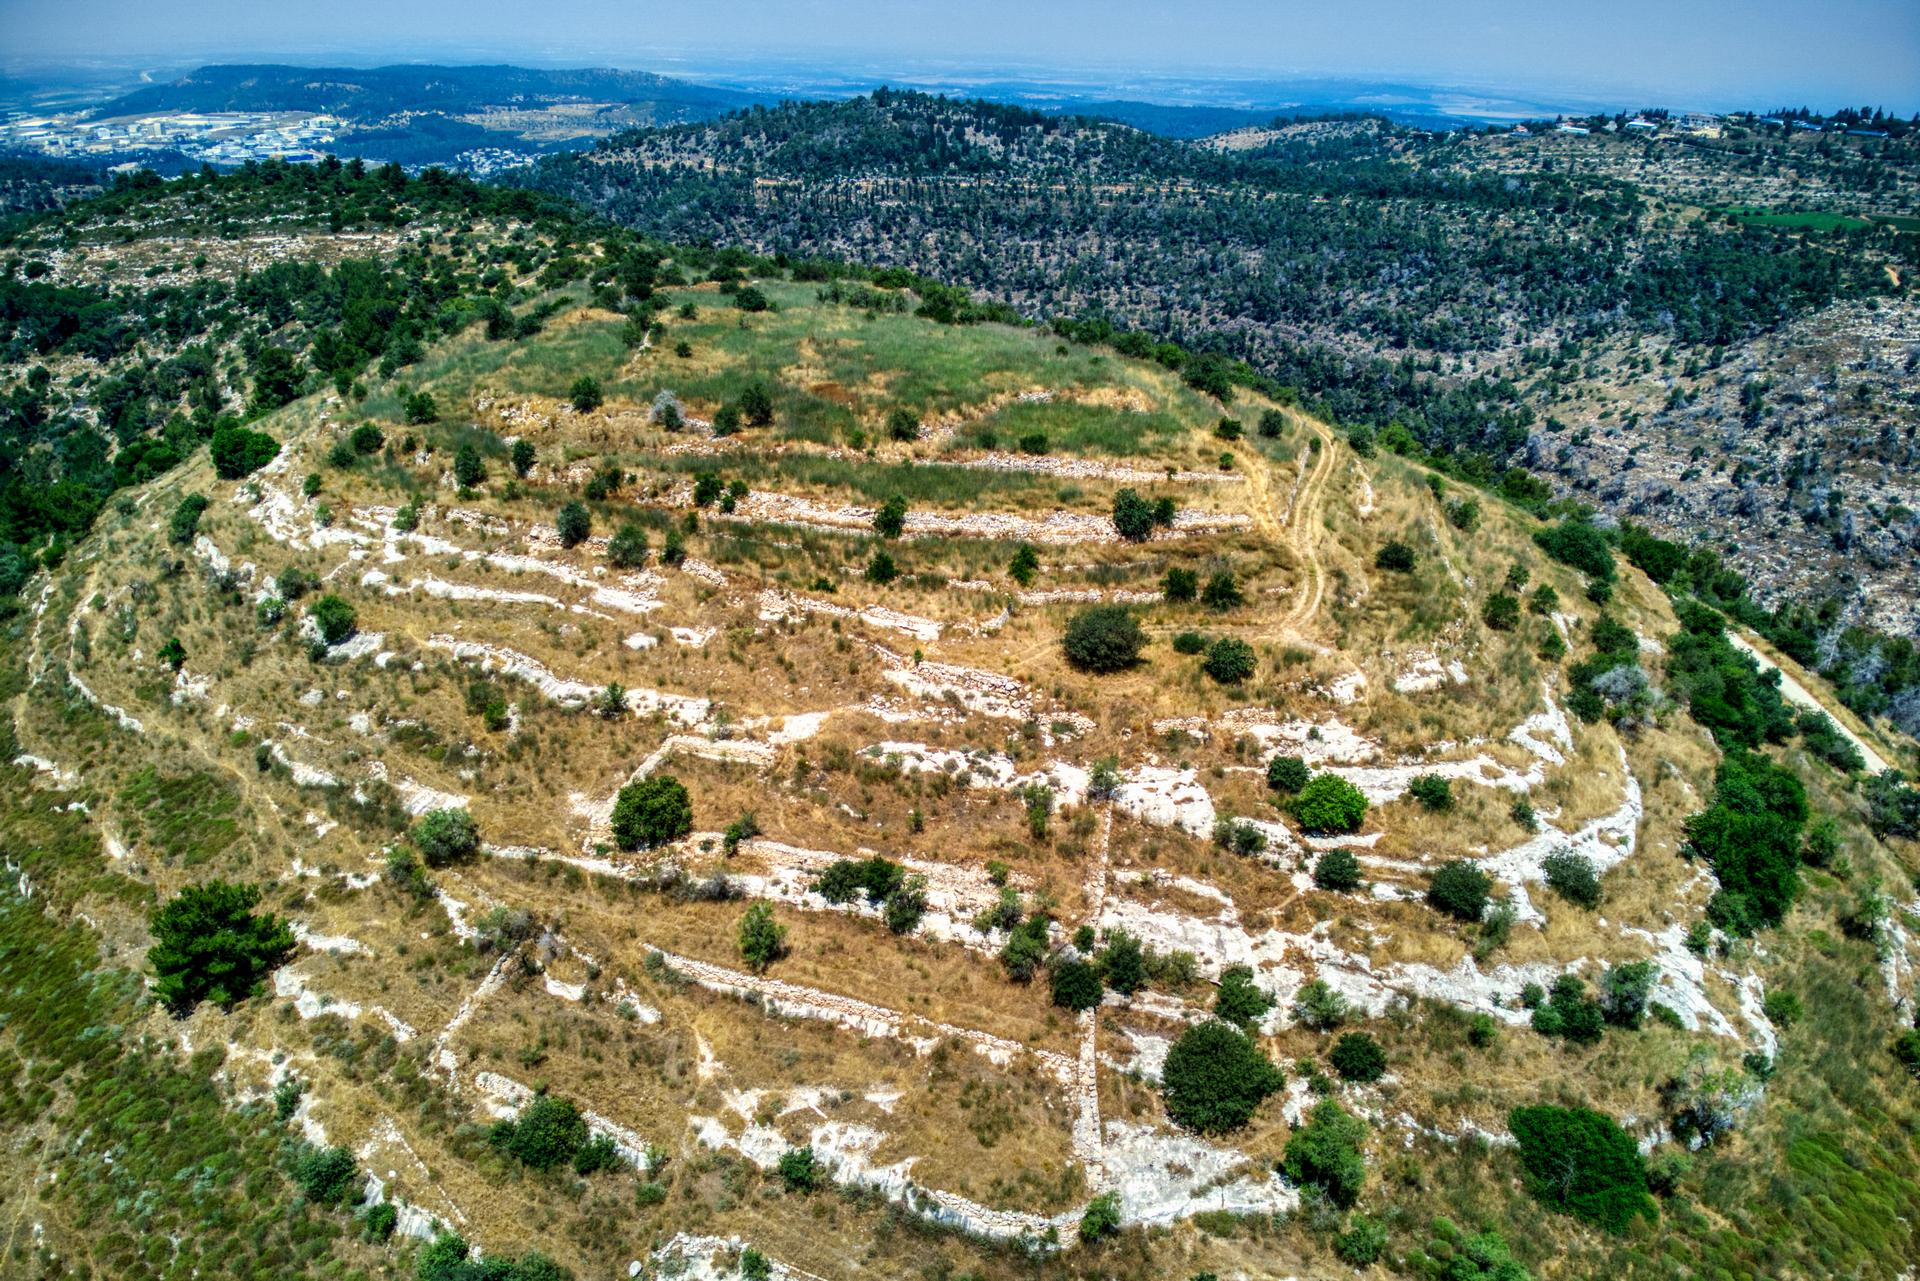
[(1328, 803), (1123, 963), (1582, 1163), (209, 946), (890, 521), (1229, 661), (585, 394), (877, 878), (1133, 516), (1750, 835), (468, 467), (1362, 1244), (1273, 424), (1180, 585), (522, 457), (1501, 612), (1238, 1001), (1319, 1007), (1189, 643), (1356, 1056), (366, 439), (1579, 544), (1326, 1153), (546, 1134), (1395, 556), (1025, 948), (1624, 989), (1459, 888), (653, 811), (445, 836), (881, 569), (1024, 565), (627, 549), (799, 1170), (1464, 515), (1432, 791), (1222, 592), (1075, 984), (762, 939), (1481, 1030), (1570, 1013), (1572, 877), (184, 523), (1215, 1077), (335, 619), (1781, 1008), (1101, 1218), (1337, 870), (1287, 774), (1906, 1049), (240, 451), (327, 1176), (574, 523), (1105, 638)]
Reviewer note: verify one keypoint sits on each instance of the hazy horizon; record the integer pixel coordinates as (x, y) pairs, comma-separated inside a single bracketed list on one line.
[(1768, 53)]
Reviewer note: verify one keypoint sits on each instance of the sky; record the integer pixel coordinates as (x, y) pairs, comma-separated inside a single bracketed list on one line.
[(1680, 53)]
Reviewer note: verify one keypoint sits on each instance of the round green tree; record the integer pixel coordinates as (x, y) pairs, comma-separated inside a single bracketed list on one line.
[(1215, 1077), (1229, 661), (1358, 1057), (1105, 638), (651, 812), (1076, 984), (335, 619), (1328, 803), (574, 523), (446, 836)]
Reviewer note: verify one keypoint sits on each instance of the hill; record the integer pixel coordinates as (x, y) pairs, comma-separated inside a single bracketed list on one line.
[(1505, 298), (686, 711)]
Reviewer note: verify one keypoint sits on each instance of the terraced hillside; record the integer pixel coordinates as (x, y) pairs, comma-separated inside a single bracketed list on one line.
[(724, 832)]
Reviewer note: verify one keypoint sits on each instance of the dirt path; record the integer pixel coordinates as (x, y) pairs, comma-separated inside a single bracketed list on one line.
[(1800, 696), (1303, 530)]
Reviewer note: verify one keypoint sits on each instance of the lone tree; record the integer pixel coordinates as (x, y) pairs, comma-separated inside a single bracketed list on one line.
[(1337, 870), (1076, 984), (522, 457), (1105, 638), (756, 405), (335, 619), (209, 946), (1024, 565), (1215, 1077), (1229, 661), (1328, 803), (1239, 1001), (1460, 890), (446, 836), (1582, 1163), (1326, 1154), (548, 1132), (627, 549), (651, 812), (585, 394), (762, 939), (891, 520), (1287, 774), (468, 468), (1358, 1057), (1133, 516), (240, 451), (574, 523)]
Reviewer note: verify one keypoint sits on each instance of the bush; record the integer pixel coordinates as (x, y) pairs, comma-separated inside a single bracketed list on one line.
[(1326, 1154), (1215, 1077), (1025, 948), (1582, 1163), (1319, 1007), (522, 457), (184, 523), (1024, 565), (420, 409), (1337, 870), (1501, 612), (651, 812), (1180, 585), (906, 905), (1105, 638), (1432, 791), (1572, 877), (573, 523), (1287, 774), (1328, 803), (468, 467), (1395, 556), (1229, 661), (446, 836), (1358, 1057), (762, 939), (1464, 515), (799, 1171), (1273, 424), (1101, 1218), (891, 520), (1624, 989), (1189, 643), (334, 617), (756, 404), (881, 569), (1133, 516), (1579, 544), (209, 946), (1781, 1008), (1362, 1244), (366, 439), (1238, 1001), (1460, 889), (627, 549), (240, 451), (1222, 592), (1906, 1048), (1076, 984), (877, 878), (327, 1176), (173, 653), (546, 1134), (585, 394), (1824, 739), (1750, 835), (1123, 963), (1570, 1013)]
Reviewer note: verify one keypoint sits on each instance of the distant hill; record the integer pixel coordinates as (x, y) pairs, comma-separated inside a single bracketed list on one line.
[(373, 93)]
